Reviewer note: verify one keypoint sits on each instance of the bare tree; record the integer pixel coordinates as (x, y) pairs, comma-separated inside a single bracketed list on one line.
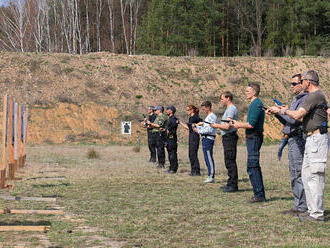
[(111, 25), (251, 17), (123, 8), (14, 25), (99, 8)]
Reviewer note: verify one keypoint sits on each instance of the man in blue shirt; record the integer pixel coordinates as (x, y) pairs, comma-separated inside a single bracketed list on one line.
[(254, 137)]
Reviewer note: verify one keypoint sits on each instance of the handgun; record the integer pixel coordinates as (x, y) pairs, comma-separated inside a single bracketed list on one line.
[(227, 121), (278, 102), (263, 108)]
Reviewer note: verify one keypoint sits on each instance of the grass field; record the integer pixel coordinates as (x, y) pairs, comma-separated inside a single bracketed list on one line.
[(120, 200)]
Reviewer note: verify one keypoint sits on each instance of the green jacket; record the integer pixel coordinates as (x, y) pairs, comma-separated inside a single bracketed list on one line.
[(161, 120)]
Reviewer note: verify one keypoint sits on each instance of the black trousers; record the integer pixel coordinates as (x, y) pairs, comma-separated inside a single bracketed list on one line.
[(194, 140), (152, 142), (160, 145), (172, 149), (229, 142)]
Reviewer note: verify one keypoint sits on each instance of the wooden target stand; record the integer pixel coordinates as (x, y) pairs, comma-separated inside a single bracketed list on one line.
[(14, 133)]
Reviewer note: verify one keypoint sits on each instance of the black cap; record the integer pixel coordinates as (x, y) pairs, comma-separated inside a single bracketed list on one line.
[(172, 108)]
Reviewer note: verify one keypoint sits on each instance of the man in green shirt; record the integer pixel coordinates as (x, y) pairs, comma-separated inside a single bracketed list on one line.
[(159, 126), (254, 126)]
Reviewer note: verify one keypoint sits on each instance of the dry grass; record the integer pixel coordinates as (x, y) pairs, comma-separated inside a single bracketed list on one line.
[(120, 200)]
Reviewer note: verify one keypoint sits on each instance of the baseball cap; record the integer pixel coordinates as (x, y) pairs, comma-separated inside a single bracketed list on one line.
[(172, 108), (312, 76)]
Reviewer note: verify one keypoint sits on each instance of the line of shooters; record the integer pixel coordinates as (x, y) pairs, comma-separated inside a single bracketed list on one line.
[(305, 132)]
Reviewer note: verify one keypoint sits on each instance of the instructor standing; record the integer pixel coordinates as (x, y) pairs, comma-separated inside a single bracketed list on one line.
[(313, 114), (296, 143)]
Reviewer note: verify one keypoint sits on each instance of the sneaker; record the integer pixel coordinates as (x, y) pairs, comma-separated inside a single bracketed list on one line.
[(160, 166), (256, 199), (305, 218), (230, 189), (209, 180)]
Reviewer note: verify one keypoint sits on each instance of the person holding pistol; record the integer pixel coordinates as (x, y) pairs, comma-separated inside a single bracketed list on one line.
[(172, 139), (159, 126), (193, 139), (313, 114), (229, 141), (296, 146), (208, 134), (254, 138)]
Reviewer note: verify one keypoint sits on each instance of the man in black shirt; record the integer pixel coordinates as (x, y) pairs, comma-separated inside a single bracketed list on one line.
[(172, 140)]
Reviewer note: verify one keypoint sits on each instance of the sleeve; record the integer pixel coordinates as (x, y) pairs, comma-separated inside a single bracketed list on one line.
[(231, 113), (284, 119), (161, 121), (310, 102), (206, 128)]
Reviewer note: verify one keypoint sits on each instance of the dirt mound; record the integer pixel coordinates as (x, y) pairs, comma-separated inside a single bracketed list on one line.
[(76, 98)]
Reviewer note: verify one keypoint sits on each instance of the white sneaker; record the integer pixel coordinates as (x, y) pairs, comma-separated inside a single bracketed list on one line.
[(209, 180)]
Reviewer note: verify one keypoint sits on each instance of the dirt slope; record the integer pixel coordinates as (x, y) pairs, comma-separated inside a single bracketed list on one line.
[(84, 98)]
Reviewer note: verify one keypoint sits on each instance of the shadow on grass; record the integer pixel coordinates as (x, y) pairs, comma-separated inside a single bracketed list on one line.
[(286, 198), (50, 185)]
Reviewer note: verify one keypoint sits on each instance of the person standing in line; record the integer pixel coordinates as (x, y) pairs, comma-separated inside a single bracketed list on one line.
[(152, 139), (159, 126), (254, 138), (296, 146), (313, 114), (208, 134), (193, 139), (229, 141), (172, 139)]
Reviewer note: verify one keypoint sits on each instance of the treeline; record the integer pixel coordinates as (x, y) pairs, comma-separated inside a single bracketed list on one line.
[(168, 27)]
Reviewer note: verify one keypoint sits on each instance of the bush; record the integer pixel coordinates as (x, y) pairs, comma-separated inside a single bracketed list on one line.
[(92, 154), (136, 149)]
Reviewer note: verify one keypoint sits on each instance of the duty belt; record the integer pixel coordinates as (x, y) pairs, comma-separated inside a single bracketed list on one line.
[(312, 132)]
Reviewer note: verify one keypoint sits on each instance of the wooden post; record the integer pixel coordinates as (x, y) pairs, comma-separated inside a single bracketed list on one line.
[(28, 211), (20, 155), (25, 125), (10, 141), (16, 136), (4, 137)]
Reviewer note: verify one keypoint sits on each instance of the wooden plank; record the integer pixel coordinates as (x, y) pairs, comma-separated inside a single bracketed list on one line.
[(9, 140), (24, 228), (28, 211), (23, 198), (4, 137)]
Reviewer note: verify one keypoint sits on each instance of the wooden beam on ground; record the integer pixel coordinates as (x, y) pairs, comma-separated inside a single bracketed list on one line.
[(23, 198), (24, 228), (28, 211), (4, 137)]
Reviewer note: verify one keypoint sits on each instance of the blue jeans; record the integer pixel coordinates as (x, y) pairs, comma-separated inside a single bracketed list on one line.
[(253, 145), (207, 145)]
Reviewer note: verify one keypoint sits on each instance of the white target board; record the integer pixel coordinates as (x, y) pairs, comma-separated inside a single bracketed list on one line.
[(126, 127)]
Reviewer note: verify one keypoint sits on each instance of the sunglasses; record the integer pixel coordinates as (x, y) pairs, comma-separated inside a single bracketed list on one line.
[(295, 84)]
